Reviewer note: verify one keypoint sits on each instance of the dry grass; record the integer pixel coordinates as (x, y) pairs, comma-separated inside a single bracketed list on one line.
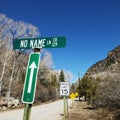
[(82, 111)]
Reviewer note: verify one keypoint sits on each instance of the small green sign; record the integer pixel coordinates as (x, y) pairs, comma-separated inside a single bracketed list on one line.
[(31, 78), (46, 42)]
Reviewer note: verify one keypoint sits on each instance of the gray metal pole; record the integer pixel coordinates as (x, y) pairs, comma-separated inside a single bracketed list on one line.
[(27, 111), (64, 108)]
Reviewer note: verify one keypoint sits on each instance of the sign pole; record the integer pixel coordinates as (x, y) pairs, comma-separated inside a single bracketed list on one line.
[(64, 91), (64, 107), (72, 102), (67, 107), (27, 111), (28, 106), (33, 66)]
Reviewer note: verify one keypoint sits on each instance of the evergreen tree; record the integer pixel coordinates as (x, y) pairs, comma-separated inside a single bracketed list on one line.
[(62, 76), (73, 89), (54, 80), (87, 88)]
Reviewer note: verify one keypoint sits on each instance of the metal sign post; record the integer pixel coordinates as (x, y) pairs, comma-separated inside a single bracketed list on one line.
[(33, 66), (27, 111), (64, 91), (72, 96), (65, 108), (30, 83)]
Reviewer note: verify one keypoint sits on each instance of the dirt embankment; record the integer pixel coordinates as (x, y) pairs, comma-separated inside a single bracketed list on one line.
[(83, 111)]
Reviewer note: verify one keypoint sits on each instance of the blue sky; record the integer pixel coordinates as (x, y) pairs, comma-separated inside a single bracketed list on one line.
[(92, 28)]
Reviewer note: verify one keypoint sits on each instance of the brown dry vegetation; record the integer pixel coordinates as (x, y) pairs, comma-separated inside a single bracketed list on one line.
[(83, 111)]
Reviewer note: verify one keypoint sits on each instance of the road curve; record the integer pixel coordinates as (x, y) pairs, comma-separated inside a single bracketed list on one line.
[(51, 111)]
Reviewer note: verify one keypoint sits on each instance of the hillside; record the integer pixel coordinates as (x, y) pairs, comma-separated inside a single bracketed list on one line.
[(106, 74), (109, 66)]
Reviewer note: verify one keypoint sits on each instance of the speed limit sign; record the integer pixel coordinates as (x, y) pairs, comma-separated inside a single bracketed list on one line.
[(64, 88)]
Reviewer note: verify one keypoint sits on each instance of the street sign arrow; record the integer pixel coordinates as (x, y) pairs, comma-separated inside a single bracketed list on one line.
[(32, 67), (31, 78)]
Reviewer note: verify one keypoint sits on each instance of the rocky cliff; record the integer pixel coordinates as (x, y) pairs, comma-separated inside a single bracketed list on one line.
[(110, 66), (107, 72)]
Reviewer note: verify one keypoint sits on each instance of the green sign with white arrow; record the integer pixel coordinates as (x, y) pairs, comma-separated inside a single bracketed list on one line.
[(31, 78)]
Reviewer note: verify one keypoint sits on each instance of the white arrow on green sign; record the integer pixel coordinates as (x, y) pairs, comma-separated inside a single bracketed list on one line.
[(31, 78), (45, 42)]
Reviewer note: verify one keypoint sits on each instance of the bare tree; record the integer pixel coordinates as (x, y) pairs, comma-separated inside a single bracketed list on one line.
[(10, 31)]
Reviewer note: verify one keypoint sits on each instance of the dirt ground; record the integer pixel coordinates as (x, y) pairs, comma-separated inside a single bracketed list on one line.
[(82, 111)]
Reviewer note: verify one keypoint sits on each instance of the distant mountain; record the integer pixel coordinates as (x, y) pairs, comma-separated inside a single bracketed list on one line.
[(110, 66)]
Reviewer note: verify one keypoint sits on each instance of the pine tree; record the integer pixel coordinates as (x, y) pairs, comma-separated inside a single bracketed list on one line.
[(73, 89), (62, 76), (87, 88), (54, 80)]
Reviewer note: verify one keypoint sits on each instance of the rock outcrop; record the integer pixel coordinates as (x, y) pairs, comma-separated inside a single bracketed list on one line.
[(110, 66)]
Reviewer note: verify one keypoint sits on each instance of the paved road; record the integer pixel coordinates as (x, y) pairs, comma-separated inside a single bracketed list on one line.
[(51, 111)]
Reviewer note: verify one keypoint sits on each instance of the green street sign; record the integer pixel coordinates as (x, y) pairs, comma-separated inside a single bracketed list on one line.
[(31, 78), (46, 42)]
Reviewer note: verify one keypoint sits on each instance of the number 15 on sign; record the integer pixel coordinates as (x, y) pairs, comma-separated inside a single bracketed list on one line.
[(64, 88)]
